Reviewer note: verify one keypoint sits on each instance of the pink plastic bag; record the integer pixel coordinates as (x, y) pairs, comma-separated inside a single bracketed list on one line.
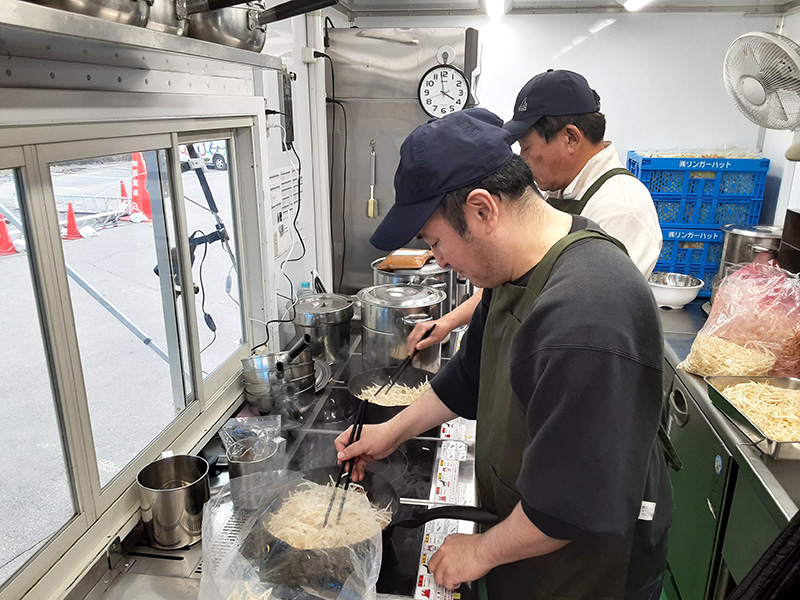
[(758, 306)]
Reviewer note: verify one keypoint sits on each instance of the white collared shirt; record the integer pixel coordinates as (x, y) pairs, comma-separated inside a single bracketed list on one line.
[(622, 207)]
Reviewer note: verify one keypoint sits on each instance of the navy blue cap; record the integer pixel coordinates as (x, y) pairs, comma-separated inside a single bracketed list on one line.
[(551, 94), (441, 156)]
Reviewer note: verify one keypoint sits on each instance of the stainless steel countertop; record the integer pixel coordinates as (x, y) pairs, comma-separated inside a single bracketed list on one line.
[(777, 481)]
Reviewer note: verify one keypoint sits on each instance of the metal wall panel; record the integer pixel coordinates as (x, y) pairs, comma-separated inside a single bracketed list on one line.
[(377, 73)]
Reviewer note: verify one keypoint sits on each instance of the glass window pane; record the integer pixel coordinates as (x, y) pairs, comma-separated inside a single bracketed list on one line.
[(115, 243), (35, 490), (215, 269)]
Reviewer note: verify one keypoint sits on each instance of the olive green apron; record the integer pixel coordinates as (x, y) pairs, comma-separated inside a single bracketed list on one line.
[(584, 569), (575, 207)]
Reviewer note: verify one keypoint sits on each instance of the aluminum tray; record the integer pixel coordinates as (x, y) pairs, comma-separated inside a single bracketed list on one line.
[(772, 448)]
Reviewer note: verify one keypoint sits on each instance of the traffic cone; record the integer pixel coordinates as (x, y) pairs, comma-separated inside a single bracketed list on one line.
[(140, 197), (72, 225), (6, 245), (125, 203)]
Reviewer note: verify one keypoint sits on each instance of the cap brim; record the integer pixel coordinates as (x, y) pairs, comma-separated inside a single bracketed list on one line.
[(518, 128), (402, 223)]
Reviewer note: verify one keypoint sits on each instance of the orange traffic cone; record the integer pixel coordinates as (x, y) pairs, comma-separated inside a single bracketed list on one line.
[(126, 201), (139, 195), (6, 245), (72, 225)]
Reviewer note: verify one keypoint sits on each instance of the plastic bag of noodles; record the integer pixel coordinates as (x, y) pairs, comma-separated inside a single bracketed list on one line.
[(282, 550), (754, 325)]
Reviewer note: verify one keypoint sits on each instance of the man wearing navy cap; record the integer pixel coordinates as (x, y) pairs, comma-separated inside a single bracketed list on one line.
[(559, 127), (561, 367)]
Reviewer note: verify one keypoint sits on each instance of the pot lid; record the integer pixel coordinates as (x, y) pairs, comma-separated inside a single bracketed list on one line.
[(323, 309), (408, 295), (763, 231), (429, 268)]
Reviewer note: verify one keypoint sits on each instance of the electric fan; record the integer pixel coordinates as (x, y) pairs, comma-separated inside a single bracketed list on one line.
[(762, 75)]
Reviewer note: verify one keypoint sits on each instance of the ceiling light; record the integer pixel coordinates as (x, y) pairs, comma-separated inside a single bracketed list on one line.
[(495, 8), (601, 24), (634, 5), (579, 39)]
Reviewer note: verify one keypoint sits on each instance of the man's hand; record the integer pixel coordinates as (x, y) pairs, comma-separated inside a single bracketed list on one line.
[(458, 560), (415, 345), (377, 441)]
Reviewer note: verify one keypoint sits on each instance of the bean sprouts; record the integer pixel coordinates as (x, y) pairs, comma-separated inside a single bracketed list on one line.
[(711, 355), (298, 521), (399, 395), (775, 411)]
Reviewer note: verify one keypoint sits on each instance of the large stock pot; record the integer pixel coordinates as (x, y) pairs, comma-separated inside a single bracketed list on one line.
[(388, 314), (128, 12)]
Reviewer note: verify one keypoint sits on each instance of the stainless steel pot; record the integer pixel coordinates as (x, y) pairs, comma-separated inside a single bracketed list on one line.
[(326, 318), (235, 26), (128, 12), (169, 16), (172, 492), (430, 274), (281, 381), (743, 245), (388, 314)]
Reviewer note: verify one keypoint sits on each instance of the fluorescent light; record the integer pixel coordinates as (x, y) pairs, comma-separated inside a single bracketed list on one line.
[(495, 8), (579, 39), (601, 24), (634, 5)]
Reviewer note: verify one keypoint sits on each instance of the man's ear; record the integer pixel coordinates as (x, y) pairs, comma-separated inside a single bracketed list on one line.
[(481, 209), (573, 136)]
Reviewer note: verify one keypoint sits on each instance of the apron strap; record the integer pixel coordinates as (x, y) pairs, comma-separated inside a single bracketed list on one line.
[(542, 271), (576, 207)]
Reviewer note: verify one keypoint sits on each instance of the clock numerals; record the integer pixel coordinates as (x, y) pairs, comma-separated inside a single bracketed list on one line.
[(441, 91)]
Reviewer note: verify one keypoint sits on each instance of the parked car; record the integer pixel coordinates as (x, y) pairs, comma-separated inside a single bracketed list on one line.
[(215, 155)]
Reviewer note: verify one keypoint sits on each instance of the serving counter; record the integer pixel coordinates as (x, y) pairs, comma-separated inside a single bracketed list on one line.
[(757, 495)]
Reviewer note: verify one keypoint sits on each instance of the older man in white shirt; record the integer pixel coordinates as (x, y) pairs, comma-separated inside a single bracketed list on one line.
[(560, 130)]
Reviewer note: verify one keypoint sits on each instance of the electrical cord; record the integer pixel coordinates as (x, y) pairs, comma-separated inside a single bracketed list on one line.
[(297, 212), (332, 99), (344, 190)]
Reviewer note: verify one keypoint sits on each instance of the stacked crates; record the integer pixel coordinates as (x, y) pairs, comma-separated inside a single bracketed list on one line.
[(694, 198)]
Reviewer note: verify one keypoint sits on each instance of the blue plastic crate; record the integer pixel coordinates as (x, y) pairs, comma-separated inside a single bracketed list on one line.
[(703, 192), (693, 251)]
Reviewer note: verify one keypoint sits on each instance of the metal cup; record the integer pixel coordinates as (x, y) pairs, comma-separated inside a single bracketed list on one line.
[(246, 461), (247, 457), (172, 492)]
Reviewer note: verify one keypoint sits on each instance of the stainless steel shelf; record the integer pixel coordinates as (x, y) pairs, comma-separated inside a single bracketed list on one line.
[(38, 32)]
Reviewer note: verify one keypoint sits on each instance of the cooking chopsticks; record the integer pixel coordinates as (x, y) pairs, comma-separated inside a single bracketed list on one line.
[(355, 434), (347, 466)]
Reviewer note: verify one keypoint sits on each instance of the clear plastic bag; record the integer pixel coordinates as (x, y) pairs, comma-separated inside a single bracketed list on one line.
[(250, 436), (754, 325), (242, 560)]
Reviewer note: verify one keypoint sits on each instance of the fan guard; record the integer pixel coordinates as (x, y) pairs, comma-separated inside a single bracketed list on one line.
[(762, 76)]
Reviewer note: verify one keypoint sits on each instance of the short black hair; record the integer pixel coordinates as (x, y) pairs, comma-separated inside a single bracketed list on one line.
[(592, 125), (511, 182)]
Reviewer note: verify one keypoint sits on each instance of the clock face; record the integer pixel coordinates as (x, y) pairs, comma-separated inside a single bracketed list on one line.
[(443, 90)]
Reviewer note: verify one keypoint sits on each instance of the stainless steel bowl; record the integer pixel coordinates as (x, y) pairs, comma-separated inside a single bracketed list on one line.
[(235, 26), (674, 290), (127, 12)]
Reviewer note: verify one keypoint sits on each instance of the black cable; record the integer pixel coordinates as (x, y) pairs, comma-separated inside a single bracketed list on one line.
[(326, 38), (344, 190), (333, 135), (297, 212)]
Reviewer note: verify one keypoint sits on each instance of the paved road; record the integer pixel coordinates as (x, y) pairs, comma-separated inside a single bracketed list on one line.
[(128, 385)]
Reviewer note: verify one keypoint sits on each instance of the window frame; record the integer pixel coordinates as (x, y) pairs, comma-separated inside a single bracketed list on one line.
[(102, 513)]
